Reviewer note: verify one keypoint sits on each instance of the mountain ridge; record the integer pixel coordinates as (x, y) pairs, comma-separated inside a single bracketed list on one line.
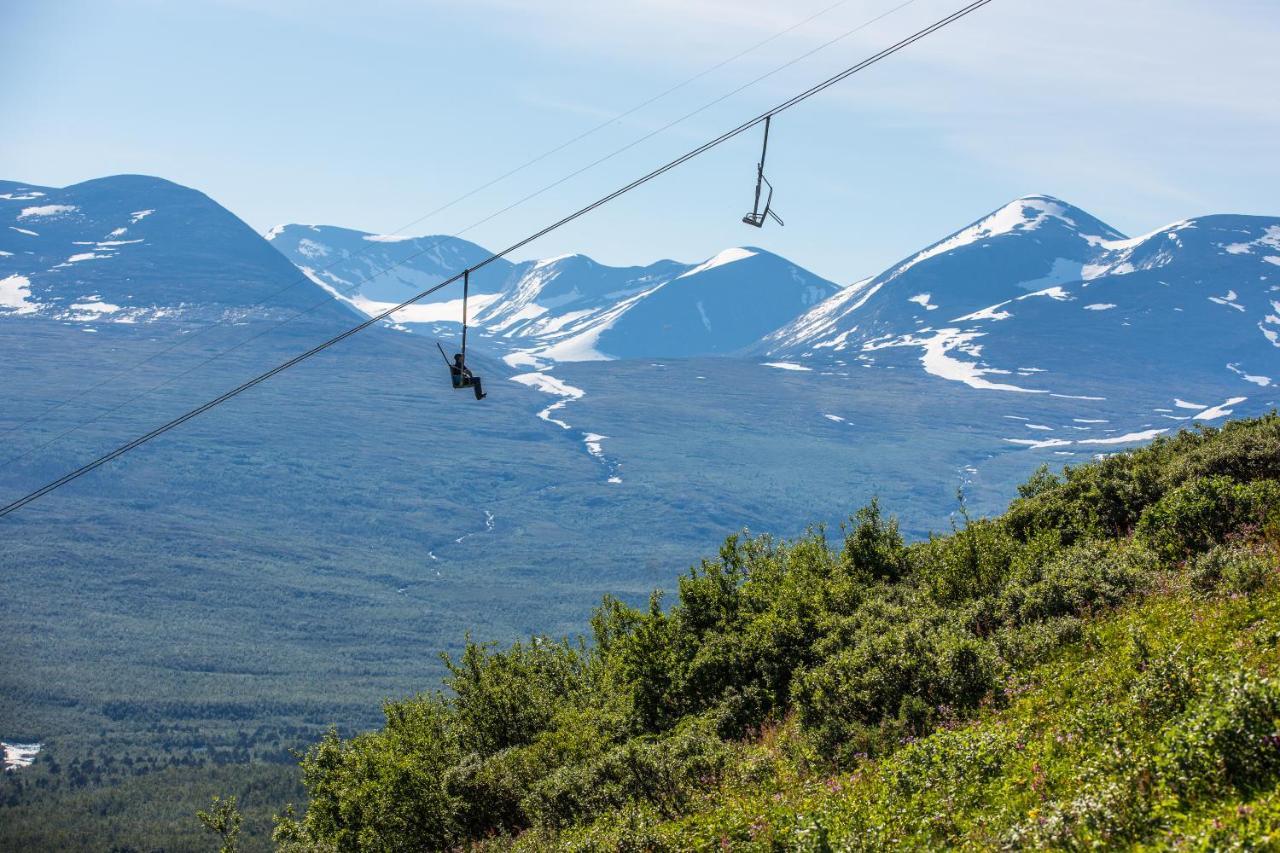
[(136, 248), (1006, 302), (566, 308)]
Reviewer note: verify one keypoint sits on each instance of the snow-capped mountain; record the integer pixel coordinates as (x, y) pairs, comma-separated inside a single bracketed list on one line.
[(373, 272), (574, 309), (569, 308), (1041, 297), (131, 248)]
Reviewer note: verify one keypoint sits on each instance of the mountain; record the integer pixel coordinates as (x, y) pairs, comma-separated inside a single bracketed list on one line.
[(569, 308), (574, 309), (132, 248), (716, 308), (1040, 297), (373, 272)]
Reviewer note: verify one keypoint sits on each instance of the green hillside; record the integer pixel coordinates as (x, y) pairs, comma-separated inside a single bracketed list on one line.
[(1095, 667)]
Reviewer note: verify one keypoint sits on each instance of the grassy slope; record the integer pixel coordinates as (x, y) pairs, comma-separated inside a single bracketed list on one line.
[(1092, 668), (1092, 750)]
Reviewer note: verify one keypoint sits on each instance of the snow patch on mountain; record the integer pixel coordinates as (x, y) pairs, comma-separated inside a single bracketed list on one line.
[(15, 295), (1229, 300), (45, 211), (1271, 238), (549, 384), (1219, 411), (420, 312), (82, 256), (1263, 381), (938, 360), (992, 312), (728, 256), (1128, 438), (922, 299)]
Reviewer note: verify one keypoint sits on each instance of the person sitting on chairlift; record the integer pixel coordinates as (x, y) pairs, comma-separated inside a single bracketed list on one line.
[(458, 371), (463, 377)]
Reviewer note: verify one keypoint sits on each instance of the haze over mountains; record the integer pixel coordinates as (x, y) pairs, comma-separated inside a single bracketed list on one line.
[(1037, 299)]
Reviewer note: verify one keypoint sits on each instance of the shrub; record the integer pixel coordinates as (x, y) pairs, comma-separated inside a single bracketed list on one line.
[(1080, 580), (382, 791), (505, 698), (1163, 688), (1232, 568), (873, 548), (661, 772), (1196, 515), (1229, 738), (853, 650)]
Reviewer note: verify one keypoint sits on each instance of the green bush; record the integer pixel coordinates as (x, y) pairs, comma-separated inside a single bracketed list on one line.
[(1230, 738), (661, 772), (1231, 568), (1196, 515)]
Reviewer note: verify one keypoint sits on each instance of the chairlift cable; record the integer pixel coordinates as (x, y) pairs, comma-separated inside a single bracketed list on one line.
[(644, 179)]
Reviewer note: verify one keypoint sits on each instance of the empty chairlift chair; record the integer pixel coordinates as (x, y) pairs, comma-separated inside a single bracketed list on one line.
[(757, 216)]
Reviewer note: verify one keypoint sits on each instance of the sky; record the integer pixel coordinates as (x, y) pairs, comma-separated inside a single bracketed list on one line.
[(373, 115)]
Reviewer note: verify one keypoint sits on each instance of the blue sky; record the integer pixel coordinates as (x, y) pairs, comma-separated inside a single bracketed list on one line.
[(370, 115)]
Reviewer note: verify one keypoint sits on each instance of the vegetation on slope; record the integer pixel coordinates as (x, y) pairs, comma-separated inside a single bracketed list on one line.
[(970, 688)]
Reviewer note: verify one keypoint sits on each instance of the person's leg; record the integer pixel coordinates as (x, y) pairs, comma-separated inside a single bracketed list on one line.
[(475, 381)]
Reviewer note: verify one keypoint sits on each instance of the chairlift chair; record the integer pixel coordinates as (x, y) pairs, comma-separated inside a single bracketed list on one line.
[(758, 217), (460, 375)]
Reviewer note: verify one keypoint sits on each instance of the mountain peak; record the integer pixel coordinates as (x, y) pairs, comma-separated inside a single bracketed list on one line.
[(1031, 212)]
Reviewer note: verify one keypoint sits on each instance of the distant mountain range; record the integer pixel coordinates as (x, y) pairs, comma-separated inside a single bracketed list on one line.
[(1041, 297), (569, 308), (1038, 297)]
